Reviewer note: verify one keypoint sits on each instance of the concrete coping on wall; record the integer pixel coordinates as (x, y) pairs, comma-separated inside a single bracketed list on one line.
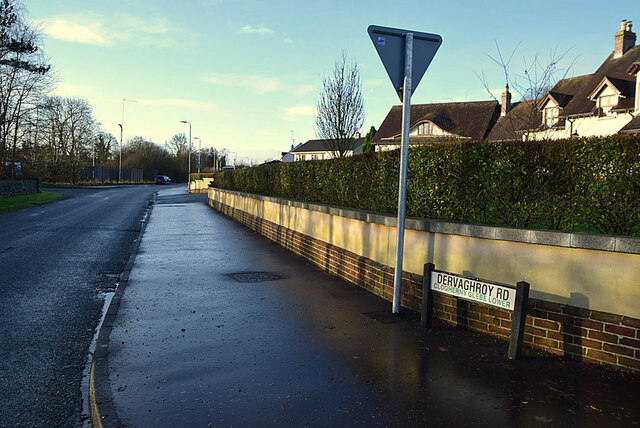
[(588, 241)]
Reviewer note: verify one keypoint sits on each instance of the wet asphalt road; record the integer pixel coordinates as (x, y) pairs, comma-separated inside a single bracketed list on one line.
[(56, 259), (194, 345)]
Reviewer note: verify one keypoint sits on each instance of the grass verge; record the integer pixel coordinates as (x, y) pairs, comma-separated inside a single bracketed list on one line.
[(15, 203)]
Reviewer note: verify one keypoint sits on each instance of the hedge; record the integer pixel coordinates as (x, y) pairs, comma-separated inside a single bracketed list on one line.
[(586, 184)]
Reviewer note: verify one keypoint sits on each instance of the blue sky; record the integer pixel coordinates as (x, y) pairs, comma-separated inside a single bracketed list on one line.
[(247, 72)]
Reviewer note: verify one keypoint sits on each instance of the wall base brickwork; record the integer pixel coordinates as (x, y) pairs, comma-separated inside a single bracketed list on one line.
[(581, 334)]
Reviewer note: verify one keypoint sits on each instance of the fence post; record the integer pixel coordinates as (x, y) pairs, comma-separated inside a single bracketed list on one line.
[(518, 320), (426, 314)]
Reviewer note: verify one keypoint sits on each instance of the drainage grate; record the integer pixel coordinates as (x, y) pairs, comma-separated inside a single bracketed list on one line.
[(111, 274), (387, 317), (255, 276)]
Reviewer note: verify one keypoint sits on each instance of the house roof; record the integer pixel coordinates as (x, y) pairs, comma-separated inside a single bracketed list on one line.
[(625, 104), (564, 91), (524, 115), (615, 70), (315, 146), (632, 127), (466, 119)]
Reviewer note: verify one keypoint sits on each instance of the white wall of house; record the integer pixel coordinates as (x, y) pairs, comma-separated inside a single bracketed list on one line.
[(587, 127), (436, 131), (318, 155), (637, 103)]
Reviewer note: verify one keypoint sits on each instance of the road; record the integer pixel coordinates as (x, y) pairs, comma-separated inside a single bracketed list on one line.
[(57, 261)]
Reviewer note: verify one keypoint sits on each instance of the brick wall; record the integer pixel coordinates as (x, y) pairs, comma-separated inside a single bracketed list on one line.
[(582, 334)]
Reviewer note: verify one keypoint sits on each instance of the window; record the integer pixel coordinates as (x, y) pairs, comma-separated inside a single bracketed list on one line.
[(551, 116), (425, 128), (607, 102)]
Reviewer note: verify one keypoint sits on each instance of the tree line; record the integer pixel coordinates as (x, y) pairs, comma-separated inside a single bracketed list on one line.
[(57, 137)]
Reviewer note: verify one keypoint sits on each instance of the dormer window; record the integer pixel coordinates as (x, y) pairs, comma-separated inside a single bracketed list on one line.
[(425, 128)]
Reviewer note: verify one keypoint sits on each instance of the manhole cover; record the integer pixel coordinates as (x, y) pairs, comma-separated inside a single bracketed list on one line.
[(255, 276), (387, 317)]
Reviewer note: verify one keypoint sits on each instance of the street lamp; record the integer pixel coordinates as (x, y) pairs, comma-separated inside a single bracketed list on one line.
[(189, 167), (199, 162), (121, 125), (120, 167)]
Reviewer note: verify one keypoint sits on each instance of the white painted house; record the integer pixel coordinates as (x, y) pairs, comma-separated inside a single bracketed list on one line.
[(318, 149), (605, 102)]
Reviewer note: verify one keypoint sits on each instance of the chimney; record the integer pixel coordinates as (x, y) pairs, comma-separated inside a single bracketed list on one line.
[(625, 39), (506, 101)]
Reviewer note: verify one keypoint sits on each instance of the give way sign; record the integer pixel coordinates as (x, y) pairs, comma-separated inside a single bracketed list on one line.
[(406, 55), (390, 43)]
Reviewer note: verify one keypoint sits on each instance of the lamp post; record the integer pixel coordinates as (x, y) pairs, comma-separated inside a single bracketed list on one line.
[(93, 159), (120, 167), (199, 161), (189, 156), (121, 125)]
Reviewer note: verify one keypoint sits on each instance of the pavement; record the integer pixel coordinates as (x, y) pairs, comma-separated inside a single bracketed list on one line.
[(217, 326)]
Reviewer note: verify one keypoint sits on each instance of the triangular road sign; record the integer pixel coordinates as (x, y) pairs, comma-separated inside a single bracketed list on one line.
[(390, 45)]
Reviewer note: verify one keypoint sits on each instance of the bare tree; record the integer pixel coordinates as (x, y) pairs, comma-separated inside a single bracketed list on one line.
[(531, 83), (179, 146), (103, 147), (23, 72), (340, 109), (68, 129)]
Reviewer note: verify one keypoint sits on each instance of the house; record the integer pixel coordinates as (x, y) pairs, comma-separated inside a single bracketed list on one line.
[(605, 102), (436, 123), (289, 156), (318, 149)]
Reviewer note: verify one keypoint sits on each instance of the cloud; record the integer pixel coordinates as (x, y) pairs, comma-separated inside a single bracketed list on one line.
[(373, 82), (178, 102), (143, 26), (302, 90), (260, 84), (89, 32), (257, 83), (288, 41), (98, 30), (299, 111), (261, 30), (64, 90)]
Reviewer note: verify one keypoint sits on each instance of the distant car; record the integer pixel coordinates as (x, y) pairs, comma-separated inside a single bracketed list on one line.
[(228, 168), (163, 179)]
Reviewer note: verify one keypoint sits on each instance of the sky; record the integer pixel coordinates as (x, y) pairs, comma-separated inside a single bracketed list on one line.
[(247, 73)]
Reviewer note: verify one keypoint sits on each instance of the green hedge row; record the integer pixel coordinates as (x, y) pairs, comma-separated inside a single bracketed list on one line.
[(588, 184)]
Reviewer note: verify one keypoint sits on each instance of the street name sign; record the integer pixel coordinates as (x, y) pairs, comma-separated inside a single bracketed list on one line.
[(507, 297), (497, 295), (390, 43)]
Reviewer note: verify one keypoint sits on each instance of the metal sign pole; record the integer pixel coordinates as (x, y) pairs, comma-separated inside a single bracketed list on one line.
[(404, 153)]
